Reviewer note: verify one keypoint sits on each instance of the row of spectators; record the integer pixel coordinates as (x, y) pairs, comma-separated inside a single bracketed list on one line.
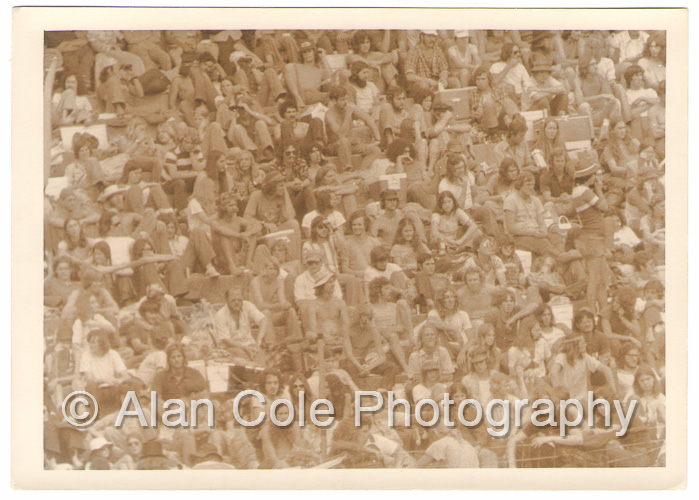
[(478, 213)]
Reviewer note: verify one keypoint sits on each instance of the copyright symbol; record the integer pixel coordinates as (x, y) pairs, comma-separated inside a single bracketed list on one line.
[(83, 416)]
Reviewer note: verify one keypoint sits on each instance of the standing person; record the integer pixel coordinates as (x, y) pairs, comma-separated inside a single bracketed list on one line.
[(339, 120), (590, 205)]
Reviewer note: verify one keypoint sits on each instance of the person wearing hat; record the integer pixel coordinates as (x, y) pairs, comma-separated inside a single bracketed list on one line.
[(463, 58), (426, 65), (207, 457), (542, 91), (271, 205), (152, 457), (591, 204), (304, 80), (118, 87), (85, 174), (362, 92), (305, 284), (327, 314), (99, 454)]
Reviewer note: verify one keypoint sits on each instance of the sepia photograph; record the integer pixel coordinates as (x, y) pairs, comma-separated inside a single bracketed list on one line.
[(377, 247)]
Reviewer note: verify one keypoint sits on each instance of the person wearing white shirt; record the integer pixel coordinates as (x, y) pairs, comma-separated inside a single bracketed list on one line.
[(233, 325), (510, 71)]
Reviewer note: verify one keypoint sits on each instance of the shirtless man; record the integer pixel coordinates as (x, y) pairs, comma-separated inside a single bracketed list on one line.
[(305, 80), (328, 314)]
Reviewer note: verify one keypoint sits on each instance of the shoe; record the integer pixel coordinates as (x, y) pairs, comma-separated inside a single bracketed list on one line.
[(211, 272)]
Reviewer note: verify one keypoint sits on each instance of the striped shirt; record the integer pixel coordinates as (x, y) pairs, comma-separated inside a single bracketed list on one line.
[(585, 203), (180, 160)]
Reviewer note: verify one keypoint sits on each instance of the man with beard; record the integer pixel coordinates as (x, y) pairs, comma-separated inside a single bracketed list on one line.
[(338, 125), (391, 114), (426, 65), (362, 92)]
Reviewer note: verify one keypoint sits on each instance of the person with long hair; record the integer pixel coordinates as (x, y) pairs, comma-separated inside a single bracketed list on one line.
[(58, 286), (85, 173), (636, 100), (304, 80), (448, 221), (594, 95), (453, 325), (429, 350), (506, 316), (233, 237), (118, 86), (380, 60), (651, 400), (548, 140), (485, 340), (551, 331), (572, 365), (271, 205), (490, 107), (347, 187), (75, 246), (406, 247), (557, 182), (653, 61)]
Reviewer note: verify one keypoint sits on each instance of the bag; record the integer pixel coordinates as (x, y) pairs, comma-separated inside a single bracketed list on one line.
[(154, 81), (564, 224)]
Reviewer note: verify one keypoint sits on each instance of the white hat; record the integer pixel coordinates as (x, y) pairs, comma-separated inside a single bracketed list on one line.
[(430, 32), (462, 33), (98, 443), (238, 55), (110, 191), (108, 61)]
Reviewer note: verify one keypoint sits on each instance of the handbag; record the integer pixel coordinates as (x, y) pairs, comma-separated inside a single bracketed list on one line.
[(564, 224)]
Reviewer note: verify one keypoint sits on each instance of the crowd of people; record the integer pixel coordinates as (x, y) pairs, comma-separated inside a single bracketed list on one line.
[(473, 212)]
